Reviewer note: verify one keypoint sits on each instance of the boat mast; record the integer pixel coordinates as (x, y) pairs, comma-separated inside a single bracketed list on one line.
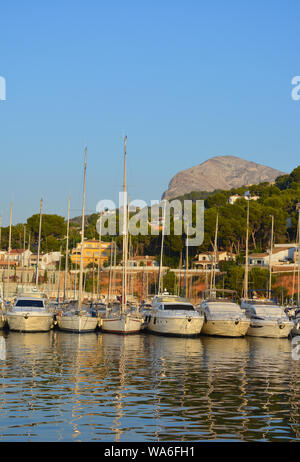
[(270, 259), (82, 235), (99, 259), (186, 262), (110, 271), (247, 253), (9, 246), (58, 285), (39, 247), (67, 250), (160, 290), (125, 231), (298, 294), (213, 272)]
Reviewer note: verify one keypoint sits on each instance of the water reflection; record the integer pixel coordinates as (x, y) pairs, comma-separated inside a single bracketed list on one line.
[(59, 386)]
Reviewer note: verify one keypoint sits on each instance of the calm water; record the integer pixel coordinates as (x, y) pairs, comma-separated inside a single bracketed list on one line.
[(100, 387)]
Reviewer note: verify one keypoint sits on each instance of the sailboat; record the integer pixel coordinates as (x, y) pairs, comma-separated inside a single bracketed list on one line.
[(222, 315), (74, 318), (123, 320), (267, 317)]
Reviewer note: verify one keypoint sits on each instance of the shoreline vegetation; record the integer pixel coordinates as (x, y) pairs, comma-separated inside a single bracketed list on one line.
[(278, 199)]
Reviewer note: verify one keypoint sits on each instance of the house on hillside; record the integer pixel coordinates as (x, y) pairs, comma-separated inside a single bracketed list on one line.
[(92, 250), (281, 255), (143, 261), (247, 196), (205, 260)]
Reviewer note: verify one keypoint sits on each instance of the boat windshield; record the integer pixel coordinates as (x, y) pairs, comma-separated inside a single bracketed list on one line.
[(266, 311), (30, 303), (179, 307)]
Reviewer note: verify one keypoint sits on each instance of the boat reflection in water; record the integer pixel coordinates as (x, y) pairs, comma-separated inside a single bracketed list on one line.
[(57, 386)]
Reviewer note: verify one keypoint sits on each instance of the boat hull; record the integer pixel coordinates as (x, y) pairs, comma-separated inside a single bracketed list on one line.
[(77, 323), (179, 327), (124, 324), (225, 328), (271, 329), (26, 322)]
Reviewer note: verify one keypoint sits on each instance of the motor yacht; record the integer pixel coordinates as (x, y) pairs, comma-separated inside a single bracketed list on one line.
[(222, 315), (30, 314), (267, 318), (173, 315)]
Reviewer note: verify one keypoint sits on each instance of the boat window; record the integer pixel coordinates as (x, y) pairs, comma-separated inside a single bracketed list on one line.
[(179, 307), (35, 303)]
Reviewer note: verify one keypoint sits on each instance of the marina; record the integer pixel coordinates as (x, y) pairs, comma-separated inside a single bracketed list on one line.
[(149, 226)]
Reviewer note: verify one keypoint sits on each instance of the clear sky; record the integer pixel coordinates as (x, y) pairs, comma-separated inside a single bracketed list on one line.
[(185, 80)]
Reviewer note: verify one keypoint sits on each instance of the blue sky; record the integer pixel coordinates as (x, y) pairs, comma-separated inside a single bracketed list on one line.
[(185, 80)]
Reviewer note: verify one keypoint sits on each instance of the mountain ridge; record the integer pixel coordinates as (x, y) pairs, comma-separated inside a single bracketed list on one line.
[(219, 172)]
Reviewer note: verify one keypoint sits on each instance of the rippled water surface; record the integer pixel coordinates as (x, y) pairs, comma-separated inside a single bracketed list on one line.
[(60, 386)]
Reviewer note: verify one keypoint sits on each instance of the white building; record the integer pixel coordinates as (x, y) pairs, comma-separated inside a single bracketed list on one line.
[(46, 260), (205, 260), (246, 196), (282, 254)]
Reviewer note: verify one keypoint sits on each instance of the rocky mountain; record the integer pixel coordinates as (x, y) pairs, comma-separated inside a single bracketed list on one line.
[(220, 172)]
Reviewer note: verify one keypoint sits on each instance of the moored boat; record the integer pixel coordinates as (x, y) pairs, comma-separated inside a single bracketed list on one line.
[(77, 320), (29, 314), (267, 318), (173, 315), (222, 315)]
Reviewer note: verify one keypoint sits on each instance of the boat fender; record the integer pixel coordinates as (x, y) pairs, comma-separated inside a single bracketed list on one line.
[(205, 318)]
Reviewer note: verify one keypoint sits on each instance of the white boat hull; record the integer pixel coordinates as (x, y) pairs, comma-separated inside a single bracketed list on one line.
[(77, 323), (27, 322), (179, 326), (296, 327), (272, 329), (123, 324), (225, 328)]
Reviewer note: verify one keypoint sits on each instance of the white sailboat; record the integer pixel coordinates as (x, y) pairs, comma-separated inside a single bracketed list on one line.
[(121, 319), (222, 315), (75, 318), (267, 318)]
